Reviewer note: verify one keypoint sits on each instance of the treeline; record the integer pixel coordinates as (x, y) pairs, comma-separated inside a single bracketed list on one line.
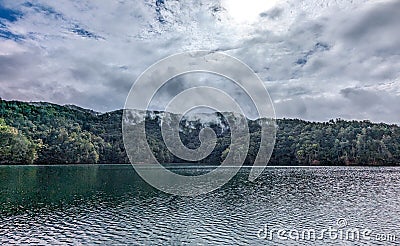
[(44, 133)]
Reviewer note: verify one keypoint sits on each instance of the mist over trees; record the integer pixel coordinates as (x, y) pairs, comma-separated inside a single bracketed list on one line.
[(44, 133)]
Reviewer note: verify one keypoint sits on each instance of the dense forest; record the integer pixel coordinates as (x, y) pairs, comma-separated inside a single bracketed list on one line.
[(45, 133)]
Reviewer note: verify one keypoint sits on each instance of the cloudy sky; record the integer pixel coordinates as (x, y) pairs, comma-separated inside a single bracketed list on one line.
[(318, 59)]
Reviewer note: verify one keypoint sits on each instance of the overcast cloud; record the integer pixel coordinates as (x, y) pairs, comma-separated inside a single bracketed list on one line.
[(319, 59)]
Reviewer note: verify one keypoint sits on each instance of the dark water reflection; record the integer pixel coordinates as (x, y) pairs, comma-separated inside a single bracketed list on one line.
[(112, 205)]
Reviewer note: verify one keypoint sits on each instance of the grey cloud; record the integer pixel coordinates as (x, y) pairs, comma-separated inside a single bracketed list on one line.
[(319, 61), (379, 20), (180, 83), (274, 13), (292, 108), (361, 97), (377, 104), (366, 45)]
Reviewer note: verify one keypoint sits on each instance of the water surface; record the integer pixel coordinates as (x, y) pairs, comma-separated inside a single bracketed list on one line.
[(89, 204)]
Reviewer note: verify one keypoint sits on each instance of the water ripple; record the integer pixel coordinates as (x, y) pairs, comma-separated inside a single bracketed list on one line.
[(119, 208)]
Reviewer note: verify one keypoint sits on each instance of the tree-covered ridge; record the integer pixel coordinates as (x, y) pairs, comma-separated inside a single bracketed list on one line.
[(15, 146), (45, 133)]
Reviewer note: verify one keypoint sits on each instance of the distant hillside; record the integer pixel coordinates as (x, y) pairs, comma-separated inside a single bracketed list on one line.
[(45, 133)]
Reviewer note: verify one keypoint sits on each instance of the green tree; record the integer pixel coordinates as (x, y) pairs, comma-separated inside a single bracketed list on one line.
[(15, 148)]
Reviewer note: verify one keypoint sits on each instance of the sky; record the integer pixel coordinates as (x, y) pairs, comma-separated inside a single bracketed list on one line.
[(319, 60)]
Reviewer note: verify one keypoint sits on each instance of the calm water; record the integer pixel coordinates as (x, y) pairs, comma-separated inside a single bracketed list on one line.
[(112, 205)]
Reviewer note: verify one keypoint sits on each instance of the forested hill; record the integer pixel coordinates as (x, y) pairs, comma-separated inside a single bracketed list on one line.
[(44, 133)]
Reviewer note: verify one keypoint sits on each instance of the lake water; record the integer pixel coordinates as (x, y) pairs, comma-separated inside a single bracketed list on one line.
[(82, 204)]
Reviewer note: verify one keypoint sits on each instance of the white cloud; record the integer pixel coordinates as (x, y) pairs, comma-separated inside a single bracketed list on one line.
[(311, 54)]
